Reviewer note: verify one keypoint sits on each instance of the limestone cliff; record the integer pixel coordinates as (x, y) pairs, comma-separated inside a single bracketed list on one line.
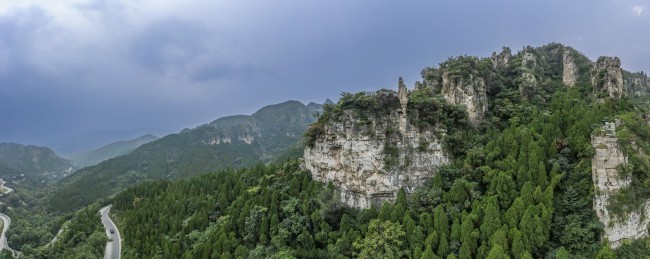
[(502, 60), (469, 92), (607, 78), (636, 84), (369, 158), (605, 164), (463, 81), (569, 69)]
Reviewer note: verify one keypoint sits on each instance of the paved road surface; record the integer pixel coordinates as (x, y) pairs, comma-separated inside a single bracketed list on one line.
[(3, 238), (113, 248), (7, 189)]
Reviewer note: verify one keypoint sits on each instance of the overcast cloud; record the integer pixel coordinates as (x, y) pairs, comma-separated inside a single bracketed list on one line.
[(70, 67)]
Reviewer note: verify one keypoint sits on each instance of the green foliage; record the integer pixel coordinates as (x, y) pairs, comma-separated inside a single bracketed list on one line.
[(383, 240), (84, 237), (520, 184), (634, 137), (497, 252), (192, 152), (41, 163)]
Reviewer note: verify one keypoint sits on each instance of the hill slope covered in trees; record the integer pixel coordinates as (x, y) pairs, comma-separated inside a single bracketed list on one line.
[(519, 186), (233, 141)]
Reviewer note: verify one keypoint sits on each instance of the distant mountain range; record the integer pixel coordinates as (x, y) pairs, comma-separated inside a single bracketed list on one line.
[(32, 161), (97, 139), (228, 142), (93, 157)]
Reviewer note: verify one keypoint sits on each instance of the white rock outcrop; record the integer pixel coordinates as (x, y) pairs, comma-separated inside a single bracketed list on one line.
[(569, 69), (605, 175), (501, 60), (636, 84), (470, 92), (607, 77), (370, 162), (354, 160)]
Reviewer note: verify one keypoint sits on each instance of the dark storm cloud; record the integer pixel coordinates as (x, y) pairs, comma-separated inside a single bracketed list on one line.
[(169, 44), (73, 66)]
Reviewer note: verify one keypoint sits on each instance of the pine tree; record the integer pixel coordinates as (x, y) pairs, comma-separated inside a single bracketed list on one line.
[(503, 187), (426, 221), (497, 252), (518, 243), (400, 203), (345, 223), (440, 222), (523, 176), (443, 247), (526, 193), (386, 211), (432, 240), (514, 213), (491, 220), (543, 177), (428, 253), (500, 238), (562, 254), (455, 230)]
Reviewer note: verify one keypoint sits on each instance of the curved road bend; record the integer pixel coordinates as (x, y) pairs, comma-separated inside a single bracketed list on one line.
[(3, 238), (113, 248)]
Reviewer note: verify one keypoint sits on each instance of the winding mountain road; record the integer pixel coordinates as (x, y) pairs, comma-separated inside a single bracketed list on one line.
[(3, 238), (114, 245)]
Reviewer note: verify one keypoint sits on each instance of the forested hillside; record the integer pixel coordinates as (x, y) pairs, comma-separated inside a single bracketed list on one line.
[(519, 182), (499, 200), (32, 161), (228, 142), (96, 156), (519, 186)]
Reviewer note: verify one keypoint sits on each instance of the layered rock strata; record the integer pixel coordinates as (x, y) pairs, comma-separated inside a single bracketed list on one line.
[(607, 78), (569, 69), (605, 164), (370, 162)]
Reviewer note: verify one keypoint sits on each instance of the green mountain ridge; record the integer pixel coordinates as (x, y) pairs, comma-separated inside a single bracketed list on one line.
[(518, 129), (228, 142), (93, 157), (519, 184), (32, 161)]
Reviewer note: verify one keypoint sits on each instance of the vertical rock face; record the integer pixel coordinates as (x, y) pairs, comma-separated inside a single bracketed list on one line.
[(370, 161), (502, 59), (607, 78), (470, 92), (528, 83), (353, 159), (605, 175), (636, 84), (403, 95), (529, 60), (569, 69)]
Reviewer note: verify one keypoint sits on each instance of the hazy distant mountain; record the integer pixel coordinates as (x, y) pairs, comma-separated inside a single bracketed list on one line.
[(233, 141), (16, 159), (97, 139), (93, 157)]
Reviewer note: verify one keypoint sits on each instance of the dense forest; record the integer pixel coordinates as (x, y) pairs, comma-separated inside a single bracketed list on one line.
[(220, 144), (521, 192)]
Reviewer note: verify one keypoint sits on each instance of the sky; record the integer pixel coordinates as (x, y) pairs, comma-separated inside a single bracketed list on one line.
[(70, 67)]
